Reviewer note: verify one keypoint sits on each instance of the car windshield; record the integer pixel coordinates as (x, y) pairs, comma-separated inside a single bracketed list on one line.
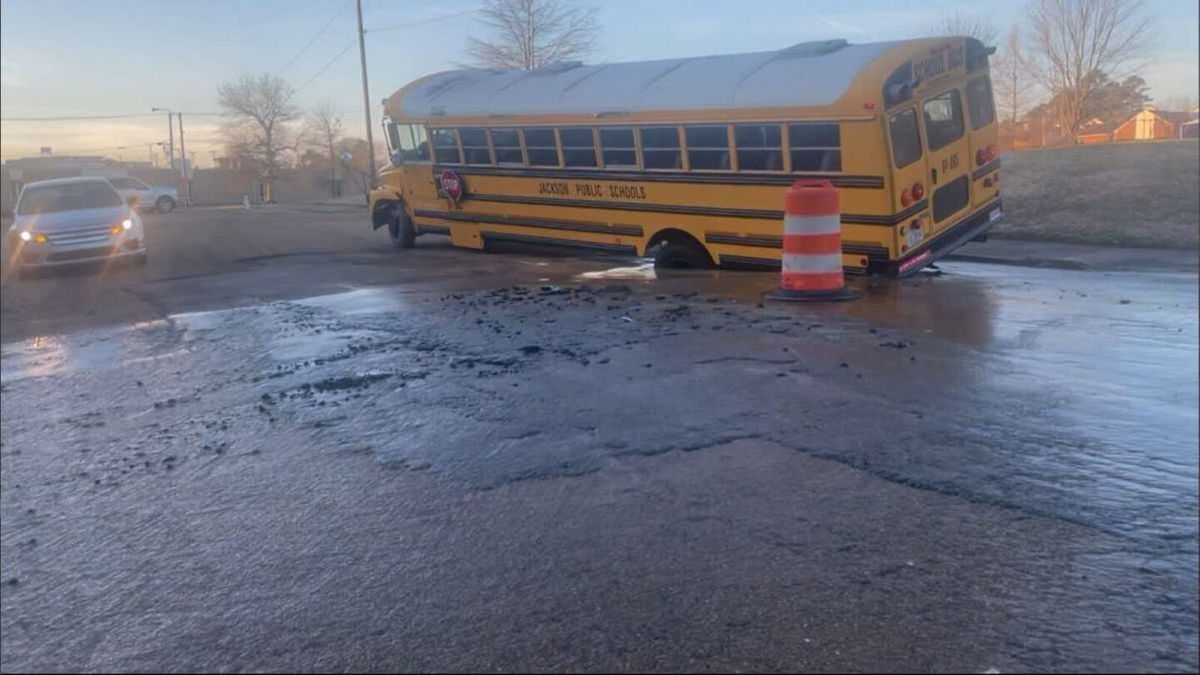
[(68, 197)]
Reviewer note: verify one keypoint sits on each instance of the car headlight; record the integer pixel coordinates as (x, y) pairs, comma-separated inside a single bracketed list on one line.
[(127, 224), (36, 237), (26, 235), (121, 226)]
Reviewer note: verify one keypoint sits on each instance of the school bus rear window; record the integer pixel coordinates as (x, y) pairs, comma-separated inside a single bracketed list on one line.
[(943, 120), (979, 102), (906, 140)]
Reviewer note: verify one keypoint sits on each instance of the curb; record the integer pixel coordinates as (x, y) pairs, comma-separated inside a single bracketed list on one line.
[(1068, 264), (1047, 263)]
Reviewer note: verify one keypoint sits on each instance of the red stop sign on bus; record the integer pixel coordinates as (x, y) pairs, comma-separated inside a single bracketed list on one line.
[(451, 184)]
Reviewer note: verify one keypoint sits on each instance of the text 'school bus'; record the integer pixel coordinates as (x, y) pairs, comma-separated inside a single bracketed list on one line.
[(689, 159)]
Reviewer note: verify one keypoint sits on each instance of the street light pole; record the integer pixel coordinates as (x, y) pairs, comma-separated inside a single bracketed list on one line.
[(362, 57)]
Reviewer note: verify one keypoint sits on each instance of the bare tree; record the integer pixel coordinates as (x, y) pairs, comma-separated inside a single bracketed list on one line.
[(1010, 80), (258, 111), (324, 127), (526, 34), (978, 26), (1074, 41)]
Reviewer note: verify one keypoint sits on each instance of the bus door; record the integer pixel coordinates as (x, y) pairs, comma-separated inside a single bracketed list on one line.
[(410, 153), (948, 161)]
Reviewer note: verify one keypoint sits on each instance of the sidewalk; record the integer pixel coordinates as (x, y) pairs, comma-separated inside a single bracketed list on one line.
[(1079, 256)]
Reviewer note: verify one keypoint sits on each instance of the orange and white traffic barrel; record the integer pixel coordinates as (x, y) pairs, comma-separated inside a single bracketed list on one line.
[(812, 244)]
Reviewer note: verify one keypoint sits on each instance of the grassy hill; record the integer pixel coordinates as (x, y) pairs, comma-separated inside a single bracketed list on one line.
[(1115, 194)]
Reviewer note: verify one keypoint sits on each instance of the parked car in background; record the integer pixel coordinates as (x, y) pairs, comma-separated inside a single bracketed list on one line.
[(157, 197), (72, 220)]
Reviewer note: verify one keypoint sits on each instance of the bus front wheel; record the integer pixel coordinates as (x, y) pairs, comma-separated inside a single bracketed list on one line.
[(682, 254), (401, 230)]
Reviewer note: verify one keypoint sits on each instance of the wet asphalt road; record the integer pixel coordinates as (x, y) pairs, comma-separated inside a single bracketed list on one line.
[(282, 445)]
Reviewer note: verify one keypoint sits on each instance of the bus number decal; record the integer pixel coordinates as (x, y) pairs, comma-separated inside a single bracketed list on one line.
[(950, 162)]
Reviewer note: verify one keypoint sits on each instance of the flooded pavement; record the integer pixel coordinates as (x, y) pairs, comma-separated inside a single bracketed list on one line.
[(576, 465)]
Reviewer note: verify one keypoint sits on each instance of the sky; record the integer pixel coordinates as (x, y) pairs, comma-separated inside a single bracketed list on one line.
[(116, 57)]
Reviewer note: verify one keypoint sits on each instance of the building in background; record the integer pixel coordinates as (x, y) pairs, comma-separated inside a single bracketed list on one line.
[(1147, 124)]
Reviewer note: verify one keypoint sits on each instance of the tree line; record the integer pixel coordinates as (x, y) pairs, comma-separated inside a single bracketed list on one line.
[(1065, 63)]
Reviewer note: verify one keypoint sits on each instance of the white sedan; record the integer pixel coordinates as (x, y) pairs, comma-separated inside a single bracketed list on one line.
[(72, 220)]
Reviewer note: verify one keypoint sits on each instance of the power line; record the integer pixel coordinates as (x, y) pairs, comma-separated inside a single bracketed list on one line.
[(92, 117), (76, 117), (325, 67), (314, 38), (422, 21)]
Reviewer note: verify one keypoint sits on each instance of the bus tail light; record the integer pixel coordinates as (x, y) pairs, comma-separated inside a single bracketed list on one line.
[(918, 192), (981, 157), (906, 197)]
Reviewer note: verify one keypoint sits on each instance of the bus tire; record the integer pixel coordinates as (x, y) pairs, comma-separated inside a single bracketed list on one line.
[(682, 254), (402, 231)]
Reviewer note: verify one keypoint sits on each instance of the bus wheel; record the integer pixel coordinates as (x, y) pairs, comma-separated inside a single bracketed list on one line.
[(401, 229), (682, 254)]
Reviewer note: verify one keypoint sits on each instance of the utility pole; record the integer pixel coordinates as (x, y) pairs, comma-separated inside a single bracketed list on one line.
[(170, 135), (362, 57), (183, 163)]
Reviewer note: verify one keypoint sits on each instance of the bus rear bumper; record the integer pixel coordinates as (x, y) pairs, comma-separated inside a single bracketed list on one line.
[(971, 227)]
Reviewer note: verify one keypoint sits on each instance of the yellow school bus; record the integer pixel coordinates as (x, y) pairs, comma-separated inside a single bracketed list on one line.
[(688, 159)]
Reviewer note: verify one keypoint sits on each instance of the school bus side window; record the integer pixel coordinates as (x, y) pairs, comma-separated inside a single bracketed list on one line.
[(815, 146), (708, 147), (943, 120), (979, 102), (507, 144), (579, 147), (906, 139), (445, 145), (660, 148), (475, 146), (759, 147), (618, 148), (541, 147)]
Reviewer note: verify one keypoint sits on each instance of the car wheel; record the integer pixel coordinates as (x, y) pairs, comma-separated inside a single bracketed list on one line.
[(164, 205), (684, 254), (401, 229)]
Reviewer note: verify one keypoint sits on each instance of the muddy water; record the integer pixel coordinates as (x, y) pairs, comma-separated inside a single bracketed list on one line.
[(1069, 396)]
